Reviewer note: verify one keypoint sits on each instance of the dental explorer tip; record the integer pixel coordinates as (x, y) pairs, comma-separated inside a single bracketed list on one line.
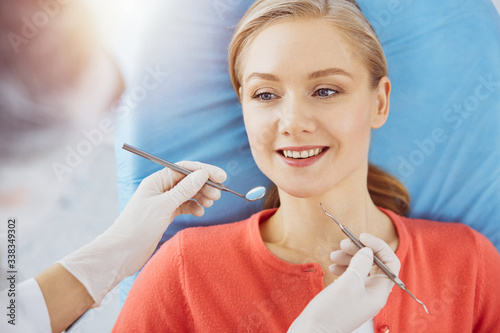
[(322, 207), (416, 299), (425, 308)]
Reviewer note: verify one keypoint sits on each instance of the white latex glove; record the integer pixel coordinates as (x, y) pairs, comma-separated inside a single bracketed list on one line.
[(129, 242), (357, 295)]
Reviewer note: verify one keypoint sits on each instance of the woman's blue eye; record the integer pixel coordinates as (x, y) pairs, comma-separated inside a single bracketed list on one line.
[(325, 92), (265, 96)]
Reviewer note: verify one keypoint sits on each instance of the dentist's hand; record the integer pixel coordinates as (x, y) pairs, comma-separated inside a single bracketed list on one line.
[(359, 293), (127, 244)]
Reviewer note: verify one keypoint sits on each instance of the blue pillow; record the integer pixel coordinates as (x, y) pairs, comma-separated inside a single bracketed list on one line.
[(441, 139), (179, 103)]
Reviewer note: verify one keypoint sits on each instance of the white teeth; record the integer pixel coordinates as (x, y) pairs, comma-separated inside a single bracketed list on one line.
[(303, 153)]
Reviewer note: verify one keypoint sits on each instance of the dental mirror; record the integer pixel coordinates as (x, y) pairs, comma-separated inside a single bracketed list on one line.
[(254, 194)]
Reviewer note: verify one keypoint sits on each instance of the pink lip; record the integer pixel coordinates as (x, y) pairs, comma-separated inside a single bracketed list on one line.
[(301, 162)]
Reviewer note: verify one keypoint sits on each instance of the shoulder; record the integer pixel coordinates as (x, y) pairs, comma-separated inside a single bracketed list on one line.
[(462, 262), (213, 235), (427, 232), (192, 247), (442, 234), (213, 238), (433, 239), (200, 239)]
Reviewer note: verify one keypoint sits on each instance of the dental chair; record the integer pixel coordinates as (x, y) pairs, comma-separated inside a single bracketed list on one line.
[(442, 138)]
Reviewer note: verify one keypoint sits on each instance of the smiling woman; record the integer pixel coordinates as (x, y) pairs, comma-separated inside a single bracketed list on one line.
[(312, 81), (361, 47)]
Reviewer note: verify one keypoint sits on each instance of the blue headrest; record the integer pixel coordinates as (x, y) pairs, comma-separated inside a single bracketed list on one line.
[(441, 139), (180, 105)]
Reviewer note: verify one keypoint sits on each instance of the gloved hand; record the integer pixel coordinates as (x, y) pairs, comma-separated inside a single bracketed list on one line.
[(129, 242), (357, 295)]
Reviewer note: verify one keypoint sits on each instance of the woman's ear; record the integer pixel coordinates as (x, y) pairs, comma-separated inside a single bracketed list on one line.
[(381, 111)]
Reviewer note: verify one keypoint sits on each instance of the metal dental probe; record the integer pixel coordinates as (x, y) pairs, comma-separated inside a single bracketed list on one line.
[(254, 194), (377, 261)]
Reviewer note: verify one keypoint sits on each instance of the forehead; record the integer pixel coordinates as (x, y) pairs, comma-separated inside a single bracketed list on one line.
[(300, 46)]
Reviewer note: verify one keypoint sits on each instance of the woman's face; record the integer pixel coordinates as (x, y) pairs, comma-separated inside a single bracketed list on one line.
[(308, 107)]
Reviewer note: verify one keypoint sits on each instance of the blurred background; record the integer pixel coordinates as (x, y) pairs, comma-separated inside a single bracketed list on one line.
[(59, 183)]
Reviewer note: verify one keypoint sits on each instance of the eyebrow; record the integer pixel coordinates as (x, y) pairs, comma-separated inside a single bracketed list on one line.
[(262, 76), (329, 71), (311, 76)]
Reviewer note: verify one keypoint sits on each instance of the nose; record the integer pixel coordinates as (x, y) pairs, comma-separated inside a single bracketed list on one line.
[(296, 118)]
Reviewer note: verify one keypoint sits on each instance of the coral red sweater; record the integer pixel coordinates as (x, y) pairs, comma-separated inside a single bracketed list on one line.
[(223, 279)]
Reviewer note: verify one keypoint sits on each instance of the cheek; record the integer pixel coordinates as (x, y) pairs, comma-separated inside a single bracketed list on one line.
[(260, 130), (354, 127)]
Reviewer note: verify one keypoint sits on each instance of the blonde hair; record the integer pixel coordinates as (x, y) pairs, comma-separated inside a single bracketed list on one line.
[(385, 190)]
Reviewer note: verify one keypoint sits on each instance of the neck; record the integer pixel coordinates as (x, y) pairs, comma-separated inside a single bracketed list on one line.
[(300, 224)]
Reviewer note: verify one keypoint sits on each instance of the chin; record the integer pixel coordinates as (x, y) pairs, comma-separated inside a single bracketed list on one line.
[(302, 192)]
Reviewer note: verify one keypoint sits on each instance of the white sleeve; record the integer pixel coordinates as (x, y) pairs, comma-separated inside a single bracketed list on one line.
[(30, 314)]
